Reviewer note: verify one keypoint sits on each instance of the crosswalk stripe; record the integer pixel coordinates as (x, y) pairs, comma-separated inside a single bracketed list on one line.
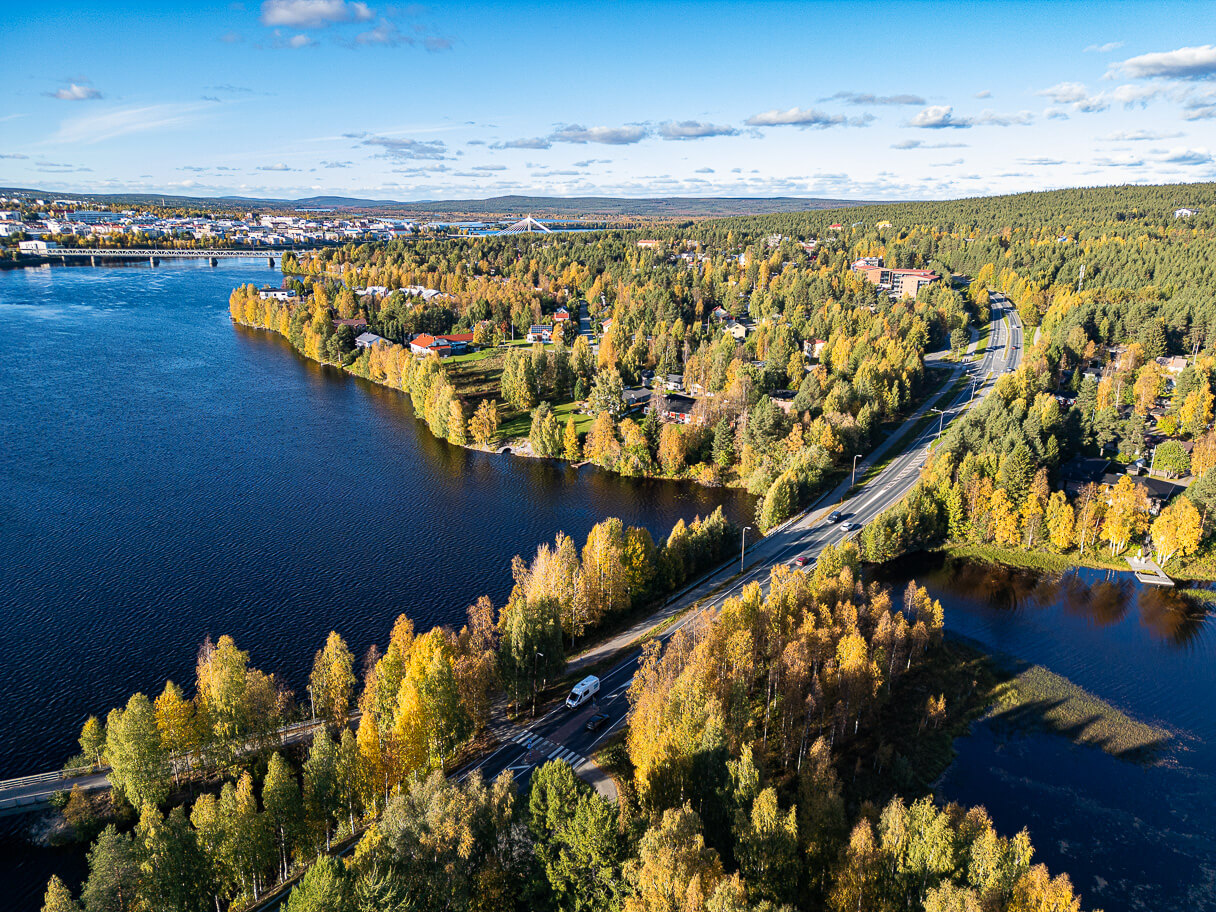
[(555, 753)]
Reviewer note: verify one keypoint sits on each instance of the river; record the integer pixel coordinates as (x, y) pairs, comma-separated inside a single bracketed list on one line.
[(166, 476), (1131, 836)]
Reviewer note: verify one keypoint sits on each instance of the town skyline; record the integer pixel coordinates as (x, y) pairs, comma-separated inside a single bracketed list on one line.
[(297, 98)]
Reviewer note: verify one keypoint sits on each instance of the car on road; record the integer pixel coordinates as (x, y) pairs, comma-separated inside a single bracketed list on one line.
[(850, 526), (596, 722), (835, 516), (800, 560), (583, 691)]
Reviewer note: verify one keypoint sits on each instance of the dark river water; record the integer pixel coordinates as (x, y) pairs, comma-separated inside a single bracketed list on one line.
[(165, 476), (1131, 836)]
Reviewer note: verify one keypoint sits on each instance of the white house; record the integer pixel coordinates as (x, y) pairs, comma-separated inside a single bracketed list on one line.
[(276, 294), (540, 334), (1183, 213)]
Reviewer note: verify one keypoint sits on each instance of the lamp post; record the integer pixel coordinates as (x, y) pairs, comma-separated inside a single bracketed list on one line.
[(941, 421), (856, 456), (535, 657), (743, 548)]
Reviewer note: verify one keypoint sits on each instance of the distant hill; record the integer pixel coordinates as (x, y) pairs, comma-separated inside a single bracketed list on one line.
[(501, 206)]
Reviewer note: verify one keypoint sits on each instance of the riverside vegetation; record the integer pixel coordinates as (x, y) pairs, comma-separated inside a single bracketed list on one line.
[(754, 731), (739, 775)]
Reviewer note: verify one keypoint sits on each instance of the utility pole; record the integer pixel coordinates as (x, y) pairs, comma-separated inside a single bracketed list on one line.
[(854, 481), (743, 548), (941, 421)]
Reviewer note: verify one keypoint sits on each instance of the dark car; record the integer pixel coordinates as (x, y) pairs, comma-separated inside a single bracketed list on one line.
[(835, 516), (596, 722)]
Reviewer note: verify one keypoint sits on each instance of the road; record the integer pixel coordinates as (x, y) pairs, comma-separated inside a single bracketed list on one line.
[(561, 734)]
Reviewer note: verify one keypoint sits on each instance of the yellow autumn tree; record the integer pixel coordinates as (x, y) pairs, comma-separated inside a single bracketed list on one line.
[(1125, 514), (1176, 532), (1060, 521)]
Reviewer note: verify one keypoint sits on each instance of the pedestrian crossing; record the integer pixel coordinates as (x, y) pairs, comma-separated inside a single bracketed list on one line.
[(551, 751)]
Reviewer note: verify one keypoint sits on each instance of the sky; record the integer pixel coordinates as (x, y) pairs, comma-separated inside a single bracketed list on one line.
[(874, 101)]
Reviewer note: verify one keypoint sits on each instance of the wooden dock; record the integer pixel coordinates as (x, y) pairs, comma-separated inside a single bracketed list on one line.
[(1148, 572)]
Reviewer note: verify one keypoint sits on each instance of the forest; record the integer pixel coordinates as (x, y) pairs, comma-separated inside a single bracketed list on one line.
[(738, 775), (775, 756), (829, 364)]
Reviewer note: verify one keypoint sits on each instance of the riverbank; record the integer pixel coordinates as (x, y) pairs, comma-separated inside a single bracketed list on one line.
[(1201, 568)]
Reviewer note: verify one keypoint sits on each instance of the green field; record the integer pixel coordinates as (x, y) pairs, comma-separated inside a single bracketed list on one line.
[(520, 424)]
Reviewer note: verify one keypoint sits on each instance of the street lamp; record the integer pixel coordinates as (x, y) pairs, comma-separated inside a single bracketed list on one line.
[(941, 422), (855, 458), (535, 657), (743, 548)]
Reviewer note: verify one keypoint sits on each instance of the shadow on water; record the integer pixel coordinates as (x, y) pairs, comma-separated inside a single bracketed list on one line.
[(1104, 662)]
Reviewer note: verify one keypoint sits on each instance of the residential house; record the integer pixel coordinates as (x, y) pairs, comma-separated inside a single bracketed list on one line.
[(636, 399), (678, 408), (561, 315), (735, 328), (277, 294), (1157, 491), (540, 334), (368, 339), (674, 382), (718, 314), (1175, 364), (1184, 213), (443, 346), (358, 324)]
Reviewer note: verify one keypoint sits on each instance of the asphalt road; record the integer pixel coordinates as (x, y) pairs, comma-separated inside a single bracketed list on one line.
[(561, 733)]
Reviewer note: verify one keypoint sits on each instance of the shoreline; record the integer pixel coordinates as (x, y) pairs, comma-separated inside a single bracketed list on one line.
[(515, 446)]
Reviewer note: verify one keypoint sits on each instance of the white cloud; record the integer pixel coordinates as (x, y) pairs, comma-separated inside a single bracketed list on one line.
[(76, 92), (985, 93), (1138, 136), (906, 144), (1104, 48), (608, 136), (313, 13), (938, 117), (1066, 92), (1183, 63), (941, 117), (806, 118), (692, 129), (535, 142), (94, 128), (404, 149), (865, 98), (1188, 157), (299, 41), (278, 166)]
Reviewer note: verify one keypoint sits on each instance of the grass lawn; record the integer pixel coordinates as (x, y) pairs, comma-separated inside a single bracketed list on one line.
[(520, 425), (982, 345)]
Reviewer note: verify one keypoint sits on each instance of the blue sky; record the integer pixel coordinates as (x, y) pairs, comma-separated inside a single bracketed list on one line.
[(291, 98)]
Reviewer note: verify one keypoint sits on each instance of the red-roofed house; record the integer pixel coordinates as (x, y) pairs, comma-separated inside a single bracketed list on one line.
[(560, 315), (424, 344)]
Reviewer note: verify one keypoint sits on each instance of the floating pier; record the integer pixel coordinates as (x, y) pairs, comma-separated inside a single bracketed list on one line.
[(1148, 572)]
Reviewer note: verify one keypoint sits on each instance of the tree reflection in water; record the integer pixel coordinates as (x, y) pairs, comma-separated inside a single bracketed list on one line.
[(1102, 597)]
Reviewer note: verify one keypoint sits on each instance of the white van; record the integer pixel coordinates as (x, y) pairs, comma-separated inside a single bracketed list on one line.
[(583, 691)]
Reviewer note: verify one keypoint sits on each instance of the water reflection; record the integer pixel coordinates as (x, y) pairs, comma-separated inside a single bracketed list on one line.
[(1103, 598)]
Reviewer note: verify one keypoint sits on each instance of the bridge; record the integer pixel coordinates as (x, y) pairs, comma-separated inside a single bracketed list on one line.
[(154, 254), (528, 225), (33, 793)]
